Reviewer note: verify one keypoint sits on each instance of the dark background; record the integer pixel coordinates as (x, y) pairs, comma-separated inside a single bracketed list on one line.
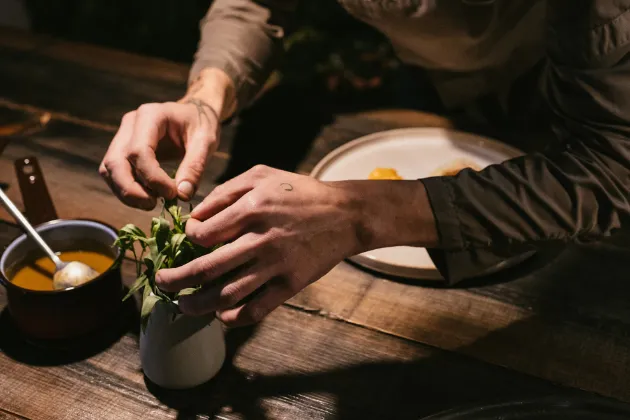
[(327, 45)]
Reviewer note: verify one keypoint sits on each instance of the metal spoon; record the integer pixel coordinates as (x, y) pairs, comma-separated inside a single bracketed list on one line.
[(67, 274)]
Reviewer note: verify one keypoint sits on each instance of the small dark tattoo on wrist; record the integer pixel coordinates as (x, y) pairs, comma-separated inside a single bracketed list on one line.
[(286, 187), (202, 109), (195, 86)]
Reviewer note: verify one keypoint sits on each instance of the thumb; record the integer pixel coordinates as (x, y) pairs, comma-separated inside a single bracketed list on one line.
[(203, 142)]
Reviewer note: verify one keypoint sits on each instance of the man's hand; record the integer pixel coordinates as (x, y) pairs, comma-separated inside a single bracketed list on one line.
[(285, 231), (186, 130)]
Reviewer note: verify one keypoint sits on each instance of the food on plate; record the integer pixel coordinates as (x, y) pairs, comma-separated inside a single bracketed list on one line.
[(37, 273), (384, 173), (454, 167)]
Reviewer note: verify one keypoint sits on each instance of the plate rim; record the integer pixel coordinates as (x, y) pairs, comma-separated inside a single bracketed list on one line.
[(510, 151), (417, 273)]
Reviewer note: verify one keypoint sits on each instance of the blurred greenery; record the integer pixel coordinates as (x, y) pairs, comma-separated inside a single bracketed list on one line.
[(327, 45)]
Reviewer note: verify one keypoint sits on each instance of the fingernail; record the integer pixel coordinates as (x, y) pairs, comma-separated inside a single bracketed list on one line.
[(186, 189)]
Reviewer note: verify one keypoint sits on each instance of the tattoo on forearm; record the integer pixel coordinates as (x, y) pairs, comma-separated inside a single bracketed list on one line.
[(286, 187), (202, 110), (195, 86)]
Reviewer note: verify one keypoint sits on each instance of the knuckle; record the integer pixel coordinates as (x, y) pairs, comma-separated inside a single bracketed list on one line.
[(260, 170), (218, 190), (134, 153), (148, 109), (102, 170), (128, 117), (209, 135), (253, 203), (150, 180), (230, 295), (257, 203), (204, 270), (196, 168), (126, 195), (195, 233)]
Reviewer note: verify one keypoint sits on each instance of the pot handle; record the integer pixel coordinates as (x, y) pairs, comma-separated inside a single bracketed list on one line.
[(38, 205)]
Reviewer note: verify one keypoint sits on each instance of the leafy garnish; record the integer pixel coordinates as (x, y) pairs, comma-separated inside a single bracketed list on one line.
[(167, 247)]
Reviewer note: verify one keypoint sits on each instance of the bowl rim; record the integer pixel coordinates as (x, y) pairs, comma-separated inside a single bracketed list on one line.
[(51, 225)]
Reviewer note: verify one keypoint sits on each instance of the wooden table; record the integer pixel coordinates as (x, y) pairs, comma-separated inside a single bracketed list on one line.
[(352, 345)]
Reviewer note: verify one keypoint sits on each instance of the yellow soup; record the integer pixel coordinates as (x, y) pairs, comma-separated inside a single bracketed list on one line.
[(38, 275)]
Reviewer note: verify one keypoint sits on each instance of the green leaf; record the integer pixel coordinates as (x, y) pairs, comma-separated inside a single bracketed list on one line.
[(188, 291), (131, 230), (148, 304), (175, 211), (176, 242), (137, 285), (160, 229)]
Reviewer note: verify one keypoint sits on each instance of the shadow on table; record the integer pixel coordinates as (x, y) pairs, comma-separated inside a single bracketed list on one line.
[(569, 288), (385, 390), (14, 345)]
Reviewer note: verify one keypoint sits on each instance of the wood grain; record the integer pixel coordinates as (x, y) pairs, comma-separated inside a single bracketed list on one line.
[(69, 156), (492, 323), (84, 93), (95, 57), (354, 343), (293, 365)]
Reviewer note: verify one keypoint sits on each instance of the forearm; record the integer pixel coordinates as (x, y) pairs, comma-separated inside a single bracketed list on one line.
[(243, 39), (214, 87), (390, 213)]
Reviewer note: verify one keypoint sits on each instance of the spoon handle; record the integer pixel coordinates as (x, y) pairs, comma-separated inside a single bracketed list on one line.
[(30, 231)]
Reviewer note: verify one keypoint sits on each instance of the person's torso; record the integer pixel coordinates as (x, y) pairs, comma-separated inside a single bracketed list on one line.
[(470, 47)]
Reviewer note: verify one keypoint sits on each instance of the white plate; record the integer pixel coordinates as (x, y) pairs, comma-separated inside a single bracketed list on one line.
[(414, 153)]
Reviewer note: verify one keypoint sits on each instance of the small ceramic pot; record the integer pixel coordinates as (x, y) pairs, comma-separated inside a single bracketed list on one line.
[(69, 313), (181, 352)]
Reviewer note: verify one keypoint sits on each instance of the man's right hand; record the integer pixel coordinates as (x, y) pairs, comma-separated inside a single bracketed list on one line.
[(186, 130)]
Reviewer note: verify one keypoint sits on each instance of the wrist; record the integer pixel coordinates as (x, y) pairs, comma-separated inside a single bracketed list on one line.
[(390, 213), (214, 87)]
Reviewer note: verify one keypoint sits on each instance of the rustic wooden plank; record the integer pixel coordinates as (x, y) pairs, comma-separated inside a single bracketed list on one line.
[(69, 156), (19, 39), (96, 57), (578, 339), (6, 415), (293, 365), (87, 93), (353, 295)]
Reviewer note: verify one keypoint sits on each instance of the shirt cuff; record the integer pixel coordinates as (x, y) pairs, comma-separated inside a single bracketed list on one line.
[(441, 198)]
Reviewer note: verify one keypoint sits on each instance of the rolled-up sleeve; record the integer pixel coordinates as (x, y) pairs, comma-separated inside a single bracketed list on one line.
[(579, 192), (244, 39)]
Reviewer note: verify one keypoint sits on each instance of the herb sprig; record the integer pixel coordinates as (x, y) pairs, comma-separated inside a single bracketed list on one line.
[(166, 247)]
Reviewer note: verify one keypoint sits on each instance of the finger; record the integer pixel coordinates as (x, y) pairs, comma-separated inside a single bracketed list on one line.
[(127, 190), (208, 268), (223, 227), (117, 171), (226, 295), (258, 308), (227, 193), (150, 127), (202, 143)]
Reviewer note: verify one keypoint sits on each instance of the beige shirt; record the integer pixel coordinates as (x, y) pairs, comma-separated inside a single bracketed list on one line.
[(470, 47)]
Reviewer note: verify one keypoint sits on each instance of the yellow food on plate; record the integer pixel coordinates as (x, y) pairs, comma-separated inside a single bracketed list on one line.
[(454, 167), (384, 173)]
